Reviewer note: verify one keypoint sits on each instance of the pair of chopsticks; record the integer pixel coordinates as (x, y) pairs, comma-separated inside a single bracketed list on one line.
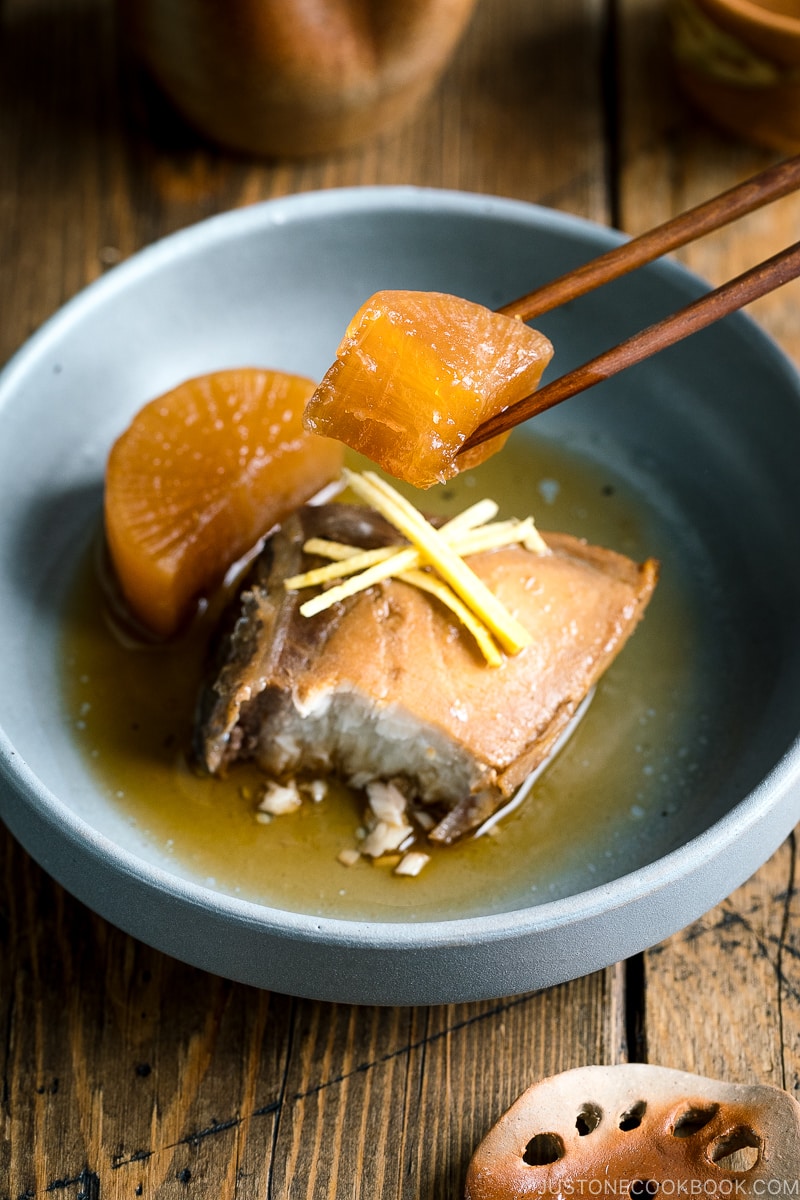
[(754, 193)]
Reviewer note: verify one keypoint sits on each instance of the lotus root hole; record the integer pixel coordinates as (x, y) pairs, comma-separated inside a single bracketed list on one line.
[(543, 1149), (693, 1120), (588, 1119), (641, 1188), (632, 1117), (738, 1150)]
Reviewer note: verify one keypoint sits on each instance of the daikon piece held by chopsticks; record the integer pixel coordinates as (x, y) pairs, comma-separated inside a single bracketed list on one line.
[(417, 373)]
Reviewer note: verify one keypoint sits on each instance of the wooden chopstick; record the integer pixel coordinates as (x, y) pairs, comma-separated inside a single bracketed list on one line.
[(713, 214), (759, 280)]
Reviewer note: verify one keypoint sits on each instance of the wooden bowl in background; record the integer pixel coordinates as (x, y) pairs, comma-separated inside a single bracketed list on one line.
[(739, 61), (294, 77)]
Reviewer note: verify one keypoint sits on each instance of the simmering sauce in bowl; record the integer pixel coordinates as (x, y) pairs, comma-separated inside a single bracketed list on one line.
[(643, 746)]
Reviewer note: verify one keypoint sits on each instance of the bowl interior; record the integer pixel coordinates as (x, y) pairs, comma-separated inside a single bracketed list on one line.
[(706, 434)]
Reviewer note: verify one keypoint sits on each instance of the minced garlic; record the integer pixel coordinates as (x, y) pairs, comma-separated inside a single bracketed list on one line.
[(412, 863)]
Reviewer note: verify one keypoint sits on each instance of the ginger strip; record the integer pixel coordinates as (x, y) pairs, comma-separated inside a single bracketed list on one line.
[(438, 588), (359, 560), (348, 560), (511, 635)]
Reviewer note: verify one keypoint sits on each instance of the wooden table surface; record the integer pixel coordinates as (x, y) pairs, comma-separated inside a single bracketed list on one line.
[(125, 1073)]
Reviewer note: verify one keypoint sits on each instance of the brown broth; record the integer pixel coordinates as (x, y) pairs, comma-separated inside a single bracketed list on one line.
[(624, 768)]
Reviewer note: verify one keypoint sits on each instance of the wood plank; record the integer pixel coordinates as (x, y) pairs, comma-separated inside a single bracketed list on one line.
[(723, 996), (742, 961), (125, 1069), (671, 158), (124, 1072), (95, 164)]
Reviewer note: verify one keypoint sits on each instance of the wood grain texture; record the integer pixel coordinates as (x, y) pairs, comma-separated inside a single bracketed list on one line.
[(744, 1025), (124, 1069), (721, 997), (124, 1072), (94, 164), (670, 158)]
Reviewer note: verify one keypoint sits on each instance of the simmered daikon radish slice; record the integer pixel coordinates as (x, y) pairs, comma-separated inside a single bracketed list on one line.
[(416, 373), (199, 476)]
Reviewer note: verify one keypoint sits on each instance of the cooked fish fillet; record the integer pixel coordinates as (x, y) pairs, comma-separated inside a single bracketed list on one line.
[(388, 686)]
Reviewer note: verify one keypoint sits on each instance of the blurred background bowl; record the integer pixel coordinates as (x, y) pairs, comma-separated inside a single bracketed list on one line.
[(294, 77), (739, 61)]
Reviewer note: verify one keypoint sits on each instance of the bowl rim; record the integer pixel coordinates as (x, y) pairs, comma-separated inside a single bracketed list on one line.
[(672, 868), (754, 15)]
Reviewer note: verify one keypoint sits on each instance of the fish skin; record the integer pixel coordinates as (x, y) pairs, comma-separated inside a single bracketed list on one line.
[(288, 691)]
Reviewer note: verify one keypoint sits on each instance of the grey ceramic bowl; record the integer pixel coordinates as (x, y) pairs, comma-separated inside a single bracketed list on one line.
[(712, 427)]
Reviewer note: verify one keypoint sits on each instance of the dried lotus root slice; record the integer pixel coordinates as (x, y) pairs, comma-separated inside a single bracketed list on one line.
[(660, 1131)]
